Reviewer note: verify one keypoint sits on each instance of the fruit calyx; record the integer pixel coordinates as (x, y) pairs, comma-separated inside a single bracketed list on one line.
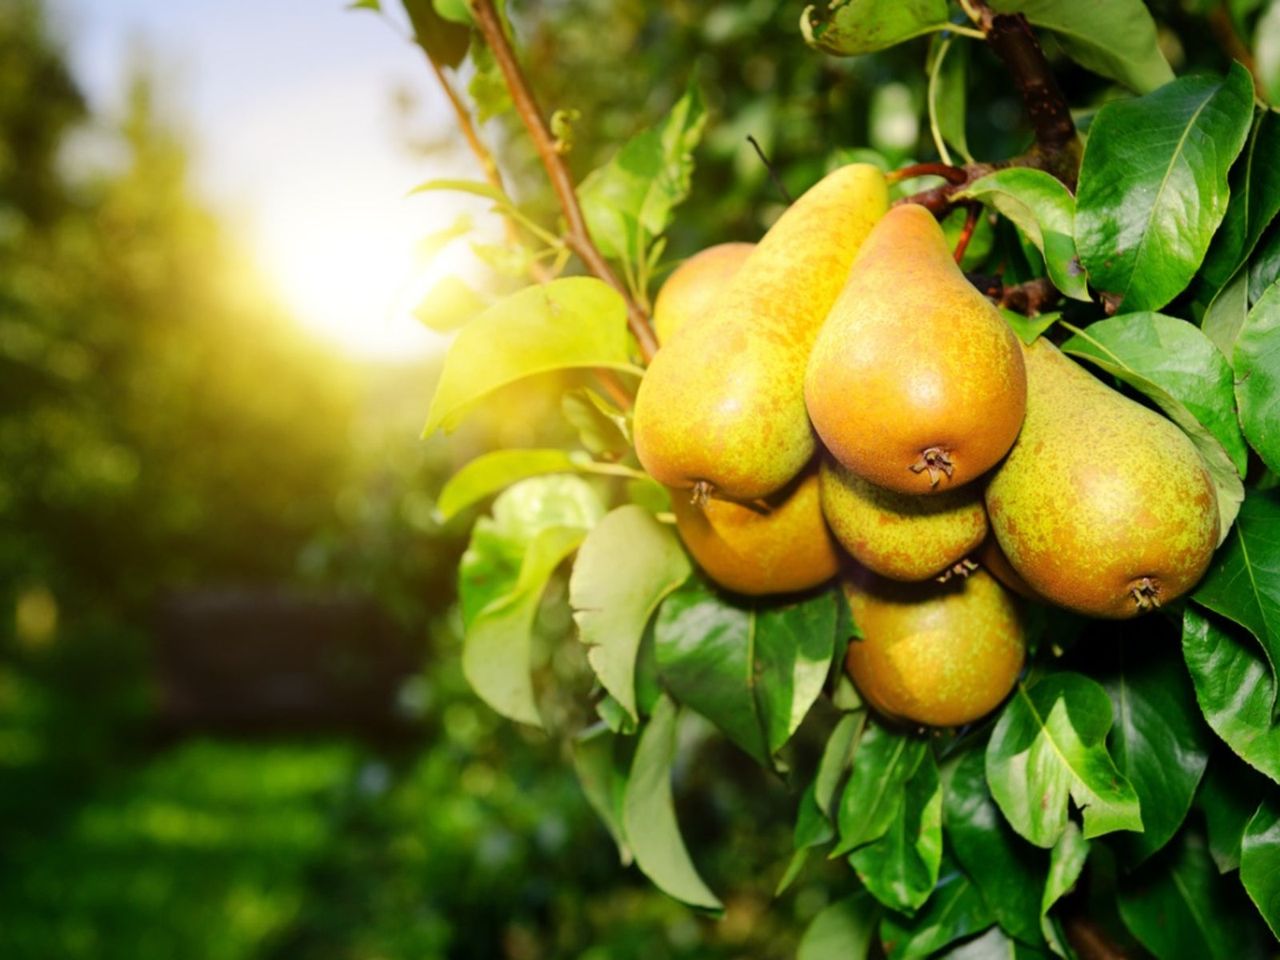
[(937, 461), (1146, 594), (961, 569), (701, 493)]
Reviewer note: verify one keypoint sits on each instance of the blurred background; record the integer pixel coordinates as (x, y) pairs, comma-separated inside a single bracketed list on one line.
[(232, 719)]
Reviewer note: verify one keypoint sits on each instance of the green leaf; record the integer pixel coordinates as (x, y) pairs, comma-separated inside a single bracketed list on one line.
[(601, 426), (1255, 200), (1266, 39), (1129, 348), (855, 27), (1029, 329), (491, 472), (1159, 742), (477, 188), (1260, 862), (1264, 265), (573, 322), (1257, 366), (1116, 38), (955, 910), (1044, 210), (836, 758), (625, 568), (1179, 907), (1005, 868), (1235, 689), (1050, 743), (1229, 796), (993, 945), (1153, 184), (649, 815), (444, 42), (454, 10), (1226, 313), (449, 306), (629, 200), (488, 87), (901, 868), (1066, 861), (812, 829), (601, 762), (841, 931), (948, 66), (873, 798), (753, 668), (1243, 581)]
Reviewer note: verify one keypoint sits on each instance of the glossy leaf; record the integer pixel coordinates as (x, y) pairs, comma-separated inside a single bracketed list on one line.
[(1257, 365), (626, 566), (1029, 329), (1044, 210), (1234, 687), (602, 772), (601, 426), (837, 756), (1179, 907), (873, 797), (1255, 200), (1243, 580), (572, 322), (1177, 358), (995, 944), (1066, 861), (1116, 38), (1264, 265), (954, 911), (947, 68), (1229, 796), (1007, 869), (753, 668), (649, 817), (841, 931), (1153, 184), (1137, 366), (856, 27), (491, 472), (1159, 741), (1048, 744), (1226, 313), (1260, 862), (901, 868)]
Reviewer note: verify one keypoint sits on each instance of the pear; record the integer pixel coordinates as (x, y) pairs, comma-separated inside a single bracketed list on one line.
[(721, 407), (991, 558), (1103, 506), (937, 654), (900, 535), (691, 290), (778, 546), (915, 382)]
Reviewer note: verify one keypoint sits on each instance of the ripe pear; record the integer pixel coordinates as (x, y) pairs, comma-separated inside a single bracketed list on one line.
[(779, 546), (690, 292), (916, 382), (900, 535), (1103, 506), (937, 654), (992, 559), (721, 407)]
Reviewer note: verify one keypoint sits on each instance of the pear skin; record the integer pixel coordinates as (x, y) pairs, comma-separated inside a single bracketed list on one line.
[(992, 559), (690, 292), (931, 653), (779, 546), (721, 406), (916, 382), (899, 535), (1103, 506)]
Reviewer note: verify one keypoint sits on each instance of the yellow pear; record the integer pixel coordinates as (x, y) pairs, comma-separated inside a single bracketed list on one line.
[(778, 546), (721, 407), (900, 535), (937, 654), (690, 292), (1103, 506), (992, 559), (915, 382)]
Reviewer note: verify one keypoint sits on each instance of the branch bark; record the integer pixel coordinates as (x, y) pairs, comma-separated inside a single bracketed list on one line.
[(578, 236)]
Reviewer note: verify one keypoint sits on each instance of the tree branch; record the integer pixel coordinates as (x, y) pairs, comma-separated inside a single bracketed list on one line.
[(578, 236)]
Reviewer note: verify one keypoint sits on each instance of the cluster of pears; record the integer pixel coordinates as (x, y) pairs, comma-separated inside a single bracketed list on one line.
[(839, 399)]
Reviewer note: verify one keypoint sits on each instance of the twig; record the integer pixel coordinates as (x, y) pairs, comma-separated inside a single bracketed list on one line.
[(966, 233), (1028, 298), (946, 171), (773, 174), (578, 236)]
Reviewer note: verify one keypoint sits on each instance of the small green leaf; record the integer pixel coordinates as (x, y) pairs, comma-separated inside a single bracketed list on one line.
[(601, 760), (477, 188), (993, 945), (1260, 862), (1264, 265), (1234, 687), (491, 472), (1044, 210), (1266, 40), (445, 42), (753, 668), (1226, 313), (601, 426), (488, 87), (854, 27), (1116, 38), (1255, 200), (1066, 861), (448, 306), (1130, 349), (1257, 366), (454, 10), (836, 758), (649, 815), (573, 322), (1050, 744), (1029, 329), (627, 565), (948, 66), (954, 911), (873, 798), (841, 931), (1229, 796), (1153, 184)]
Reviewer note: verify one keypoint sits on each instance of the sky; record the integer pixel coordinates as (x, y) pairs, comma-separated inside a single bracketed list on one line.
[(289, 108)]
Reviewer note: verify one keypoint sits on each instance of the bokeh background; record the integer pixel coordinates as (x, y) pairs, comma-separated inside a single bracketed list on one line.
[(232, 720)]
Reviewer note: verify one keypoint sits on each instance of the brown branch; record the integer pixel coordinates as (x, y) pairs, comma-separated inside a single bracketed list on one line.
[(1028, 298), (944, 170), (578, 236), (966, 233)]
